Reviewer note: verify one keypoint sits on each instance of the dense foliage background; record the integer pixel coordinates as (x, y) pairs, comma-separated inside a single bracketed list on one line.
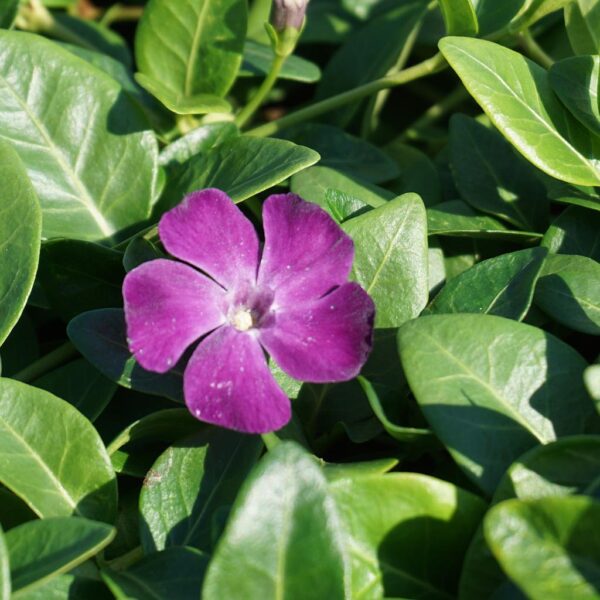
[(458, 143)]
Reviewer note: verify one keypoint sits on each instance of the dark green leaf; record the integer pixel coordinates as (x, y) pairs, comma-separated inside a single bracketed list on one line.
[(492, 388), (460, 17), (493, 15), (8, 12), (139, 251), (283, 537), (575, 231), (5, 586), (582, 19)]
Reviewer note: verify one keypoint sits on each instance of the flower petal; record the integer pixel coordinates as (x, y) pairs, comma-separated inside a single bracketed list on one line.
[(325, 340), (210, 232), (227, 383), (306, 252), (168, 305)]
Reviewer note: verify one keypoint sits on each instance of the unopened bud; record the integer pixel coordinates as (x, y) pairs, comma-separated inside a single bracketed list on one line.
[(286, 14)]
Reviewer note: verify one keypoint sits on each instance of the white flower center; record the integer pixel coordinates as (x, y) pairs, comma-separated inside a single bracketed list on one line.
[(242, 319)]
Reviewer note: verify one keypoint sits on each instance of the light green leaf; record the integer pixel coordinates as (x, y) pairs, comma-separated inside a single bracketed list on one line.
[(193, 46), (241, 167), (182, 104), (175, 573), (549, 547), (460, 17), (501, 286), (492, 388), (391, 258), (533, 10), (492, 178), (393, 521), (20, 230), (5, 586), (582, 19), (188, 484), (569, 291), (283, 537), (575, 231), (95, 172), (576, 82), (516, 95), (52, 457), (41, 550)]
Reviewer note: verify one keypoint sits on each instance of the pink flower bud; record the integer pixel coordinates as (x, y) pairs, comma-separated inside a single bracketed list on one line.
[(288, 14)]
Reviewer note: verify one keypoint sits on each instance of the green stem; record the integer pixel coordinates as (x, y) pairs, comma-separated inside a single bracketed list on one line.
[(270, 439), (126, 560), (121, 12), (427, 67), (534, 50), (262, 92), (47, 363)]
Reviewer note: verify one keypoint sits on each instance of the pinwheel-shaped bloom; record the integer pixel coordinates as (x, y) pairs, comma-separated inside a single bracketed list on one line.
[(293, 301)]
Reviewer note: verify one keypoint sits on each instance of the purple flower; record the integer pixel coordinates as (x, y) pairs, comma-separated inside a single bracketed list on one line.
[(294, 301)]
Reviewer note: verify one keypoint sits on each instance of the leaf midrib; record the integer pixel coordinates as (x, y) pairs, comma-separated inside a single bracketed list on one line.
[(193, 55)]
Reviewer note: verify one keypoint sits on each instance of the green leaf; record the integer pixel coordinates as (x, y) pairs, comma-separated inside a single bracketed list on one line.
[(344, 152), (5, 586), (516, 95), (139, 251), (192, 47), (591, 379), (575, 231), (492, 178), (180, 103), (95, 172), (283, 537), (175, 573), (457, 219), (388, 517), (8, 12), (259, 57), (100, 336), (80, 384), (187, 485), (20, 230), (460, 17), (492, 388), (241, 167), (41, 550), (582, 19), (554, 539), (586, 197), (391, 258), (73, 587), (568, 466), (569, 291), (501, 286), (493, 15), (534, 10), (575, 81), (370, 53), (80, 276), (52, 457)]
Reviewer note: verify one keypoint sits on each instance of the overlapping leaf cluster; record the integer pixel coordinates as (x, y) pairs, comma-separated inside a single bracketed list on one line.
[(458, 143)]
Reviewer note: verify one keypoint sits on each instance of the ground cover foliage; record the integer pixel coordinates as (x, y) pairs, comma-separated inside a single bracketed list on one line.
[(457, 142)]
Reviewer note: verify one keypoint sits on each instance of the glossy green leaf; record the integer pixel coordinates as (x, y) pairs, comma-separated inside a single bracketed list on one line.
[(79, 276), (92, 180), (493, 15), (8, 12), (586, 197), (20, 230), (80, 384), (175, 573), (283, 537), (460, 17), (391, 258), (568, 466), (73, 587), (344, 152), (457, 219), (5, 586), (241, 167), (575, 231), (534, 10), (66, 473), (100, 336), (516, 95), (393, 521), (582, 19), (259, 57), (192, 47), (41, 550), (555, 539), (492, 178), (187, 485), (180, 103), (569, 291), (139, 251), (501, 286), (370, 53), (576, 82), (335, 471), (492, 388)]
